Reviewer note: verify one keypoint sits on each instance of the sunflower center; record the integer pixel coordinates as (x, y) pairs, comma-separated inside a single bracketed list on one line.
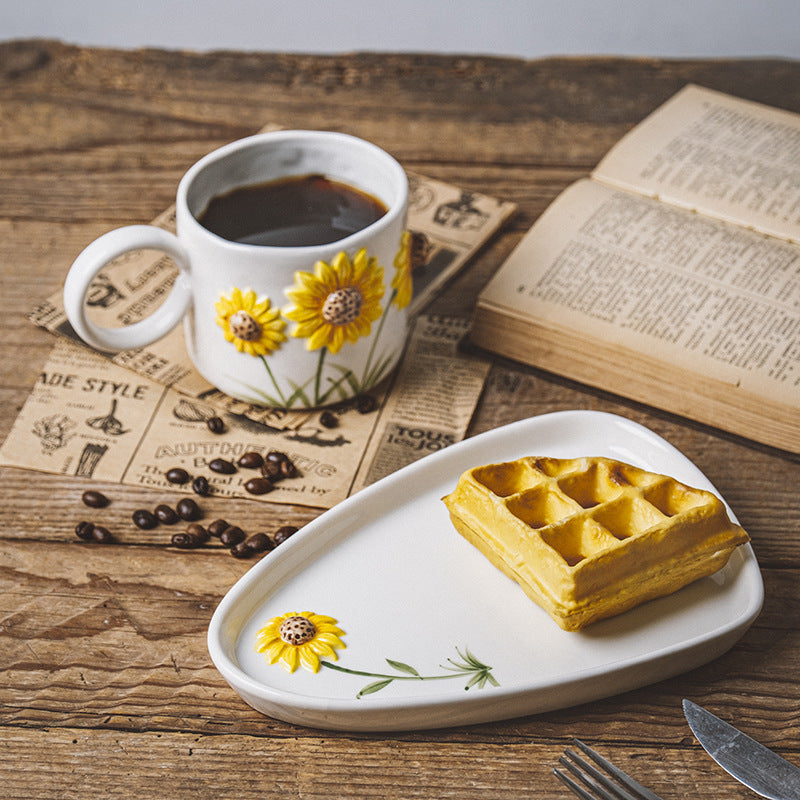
[(297, 630), (244, 327), (342, 306)]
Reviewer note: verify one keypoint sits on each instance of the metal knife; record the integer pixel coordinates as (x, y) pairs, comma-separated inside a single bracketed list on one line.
[(757, 767)]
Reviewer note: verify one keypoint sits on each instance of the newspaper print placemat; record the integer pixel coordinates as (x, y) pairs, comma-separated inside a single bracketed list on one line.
[(130, 416), (92, 418)]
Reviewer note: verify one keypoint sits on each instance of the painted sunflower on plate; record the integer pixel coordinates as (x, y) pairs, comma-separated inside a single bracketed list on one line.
[(300, 640), (338, 302), (251, 324)]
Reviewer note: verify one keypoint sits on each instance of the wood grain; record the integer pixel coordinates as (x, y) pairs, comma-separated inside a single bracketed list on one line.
[(107, 687)]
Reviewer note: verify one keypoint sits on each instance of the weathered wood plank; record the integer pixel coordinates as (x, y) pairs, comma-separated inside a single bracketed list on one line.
[(101, 764), (107, 687)]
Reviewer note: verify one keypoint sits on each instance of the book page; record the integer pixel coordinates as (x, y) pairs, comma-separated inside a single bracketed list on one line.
[(721, 156), (697, 293)]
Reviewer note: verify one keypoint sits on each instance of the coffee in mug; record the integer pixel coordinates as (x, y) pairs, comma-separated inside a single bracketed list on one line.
[(291, 212)]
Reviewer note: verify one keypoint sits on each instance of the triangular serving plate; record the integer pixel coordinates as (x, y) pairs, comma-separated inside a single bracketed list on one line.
[(425, 615)]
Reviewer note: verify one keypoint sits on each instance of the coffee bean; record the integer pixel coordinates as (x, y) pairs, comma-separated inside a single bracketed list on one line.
[(166, 514), (283, 533), (365, 403), (188, 510), (222, 466), (200, 486), (198, 531), (144, 519), (328, 419), (101, 535), (259, 486), (185, 541), (217, 527), (94, 499), (288, 469), (271, 470), (242, 550), (215, 425), (251, 460), (231, 536), (83, 530), (177, 475), (278, 466), (259, 542)]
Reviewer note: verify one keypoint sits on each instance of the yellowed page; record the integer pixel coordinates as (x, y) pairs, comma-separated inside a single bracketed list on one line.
[(716, 154), (694, 292)]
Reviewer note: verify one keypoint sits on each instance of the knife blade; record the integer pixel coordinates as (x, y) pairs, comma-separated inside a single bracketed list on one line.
[(754, 765)]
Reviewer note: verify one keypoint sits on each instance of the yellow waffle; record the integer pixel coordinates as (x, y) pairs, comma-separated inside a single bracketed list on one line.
[(589, 538)]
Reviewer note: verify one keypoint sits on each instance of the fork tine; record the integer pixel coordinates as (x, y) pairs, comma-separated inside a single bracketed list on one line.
[(599, 786), (576, 788), (634, 786), (596, 790)]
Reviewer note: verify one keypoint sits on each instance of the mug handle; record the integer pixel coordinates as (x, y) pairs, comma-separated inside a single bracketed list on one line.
[(106, 248)]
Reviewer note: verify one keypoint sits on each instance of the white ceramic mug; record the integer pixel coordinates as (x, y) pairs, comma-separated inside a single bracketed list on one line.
[(291, 327)]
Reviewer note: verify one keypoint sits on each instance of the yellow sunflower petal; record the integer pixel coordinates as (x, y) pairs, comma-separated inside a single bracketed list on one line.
[(330, 640), (290, 658), (309, 659), (321, 619), (322, 650)]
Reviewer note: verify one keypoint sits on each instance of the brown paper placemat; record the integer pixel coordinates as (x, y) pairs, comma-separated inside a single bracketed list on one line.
[(91, 418)]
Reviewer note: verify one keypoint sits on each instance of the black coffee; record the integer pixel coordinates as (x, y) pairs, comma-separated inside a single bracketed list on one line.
[(291, 212)]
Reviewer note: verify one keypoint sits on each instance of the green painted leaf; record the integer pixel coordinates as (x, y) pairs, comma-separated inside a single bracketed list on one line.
[(401, 667), (371, 688)]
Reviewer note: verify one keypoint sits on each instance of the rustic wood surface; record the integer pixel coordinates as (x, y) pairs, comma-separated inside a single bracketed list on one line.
[(107, 687)]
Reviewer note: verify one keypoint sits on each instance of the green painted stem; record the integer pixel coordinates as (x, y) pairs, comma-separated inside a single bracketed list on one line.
[(396, 677), (377, 336), (274, 382), (318, 377)]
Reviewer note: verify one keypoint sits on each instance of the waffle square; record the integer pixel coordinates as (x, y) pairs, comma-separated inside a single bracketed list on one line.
[(589, 538)]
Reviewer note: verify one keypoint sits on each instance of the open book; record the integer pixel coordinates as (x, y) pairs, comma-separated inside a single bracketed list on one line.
[(672, 276)]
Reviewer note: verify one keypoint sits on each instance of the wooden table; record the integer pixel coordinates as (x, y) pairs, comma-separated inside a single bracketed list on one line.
[(107, 687)]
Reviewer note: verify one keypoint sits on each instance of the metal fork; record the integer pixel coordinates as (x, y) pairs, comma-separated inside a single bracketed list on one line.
[(599, 786)]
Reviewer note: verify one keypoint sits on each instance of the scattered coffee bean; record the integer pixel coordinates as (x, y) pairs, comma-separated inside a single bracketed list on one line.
[(259, 486), (188, 510), (232, 535), (251, 460), (83, 530), (242, 550), (94, 499), (198, 531), (259, 542), (278, 465), (222, 466), (215, 425), (166, 514), (177, 475), (328, 419), (283, 533), (200, 486), (101, 535), (288, 469), (144, 519), (217, 527), (365, 403), (271, 470), (185, 541)]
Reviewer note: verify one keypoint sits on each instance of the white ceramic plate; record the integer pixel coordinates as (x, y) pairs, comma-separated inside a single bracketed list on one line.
[(404, 586)]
